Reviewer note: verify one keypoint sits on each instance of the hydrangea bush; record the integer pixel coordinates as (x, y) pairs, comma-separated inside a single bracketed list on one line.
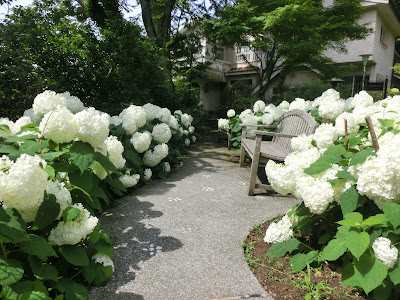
[(261, 114), (349, 190), (61, 164)]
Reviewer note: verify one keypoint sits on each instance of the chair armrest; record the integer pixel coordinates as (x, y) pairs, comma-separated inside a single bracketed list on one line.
[(259, 126), (260, 132)]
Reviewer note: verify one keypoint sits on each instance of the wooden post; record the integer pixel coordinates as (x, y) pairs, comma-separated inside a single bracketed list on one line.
[(346, 142), (372, 132)]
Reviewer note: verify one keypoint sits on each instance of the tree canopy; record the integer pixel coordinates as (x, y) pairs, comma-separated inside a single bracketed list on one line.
[(287, 34)]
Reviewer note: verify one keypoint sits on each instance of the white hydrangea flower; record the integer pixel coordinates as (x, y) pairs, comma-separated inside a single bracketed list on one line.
[(92, 127), (244, 113), (21, 122), (72, 102), (31, 114), (301, 143), (147, 174), (161, 133), (73, 231), (24, 185), (59, 125), (152, 111), (267, 119), (275, 112), (103, 259), (153, 157), (167, 167), (10, 124), (187, 142), (164, 115), (259, 106), (299, 103), (385, 252), (116, 120), (250, 119), (46, 102), (186, 120), (330, 108), (141, 141), (352, 126), (5, 163), (178, 112), (279, 177), (194, 139), (284, 105), (325, 136), (133, 118), (63, 196), (329, 95), (362, 99), (185, 132), (115, 150), (223, 124), (279, 232), (191, 129), (315, 193), (129, 180), (231, 113), (173, 123)]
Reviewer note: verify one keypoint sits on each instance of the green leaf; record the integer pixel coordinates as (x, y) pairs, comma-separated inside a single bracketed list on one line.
[(392, 213), (362, 156), (370, 272), (18, 291), (133, 156), (36, 245), (104, 247), (50, 156), (96, 274), (386, 122), (357, 243), (321, 164), (11, 271), (48, 212), (75, 255), (70, 213), (105, 162), (354, 216), (32, 147), (41, 270), (378, 220), (336, 150), (82, 154), (383, 292), (395, 275), (355, 140), (84, 181), (349, 200), (344, 174), (299, 261), (72, 290), (50, 170), (335, 249), (116, 186), (12, 227), (349, 276), (280, 249), (349, 223), (8, 149)]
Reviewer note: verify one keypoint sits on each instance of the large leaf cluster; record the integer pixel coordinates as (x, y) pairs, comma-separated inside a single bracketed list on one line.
[(54, 45)]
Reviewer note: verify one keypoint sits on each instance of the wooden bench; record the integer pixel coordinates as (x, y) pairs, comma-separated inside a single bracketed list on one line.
[(291, 124)]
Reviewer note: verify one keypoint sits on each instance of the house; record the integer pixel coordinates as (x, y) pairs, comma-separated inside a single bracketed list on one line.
[(377, 50)]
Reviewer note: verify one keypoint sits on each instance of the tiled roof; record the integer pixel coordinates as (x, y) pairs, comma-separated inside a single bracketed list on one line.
[(242, 69)]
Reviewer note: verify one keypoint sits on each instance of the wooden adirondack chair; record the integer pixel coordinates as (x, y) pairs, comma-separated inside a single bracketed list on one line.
[(291, 124)]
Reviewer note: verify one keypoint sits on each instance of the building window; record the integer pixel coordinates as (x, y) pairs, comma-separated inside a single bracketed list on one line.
[(383, 36), (244, 54), (355, 82)]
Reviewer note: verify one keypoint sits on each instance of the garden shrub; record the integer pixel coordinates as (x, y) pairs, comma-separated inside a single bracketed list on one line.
[(349, 191), (62, 164), (309, 90)]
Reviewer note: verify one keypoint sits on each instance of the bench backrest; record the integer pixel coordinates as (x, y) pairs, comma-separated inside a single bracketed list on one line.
[(294, 122)]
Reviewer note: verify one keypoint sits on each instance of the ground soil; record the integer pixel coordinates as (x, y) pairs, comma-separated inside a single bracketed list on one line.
[(275, 276)]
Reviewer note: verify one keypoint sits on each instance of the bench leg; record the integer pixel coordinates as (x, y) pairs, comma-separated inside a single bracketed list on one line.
[(254, 166), (242, 156)]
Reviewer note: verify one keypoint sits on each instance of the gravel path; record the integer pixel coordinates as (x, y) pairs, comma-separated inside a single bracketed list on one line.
[(180, 238)]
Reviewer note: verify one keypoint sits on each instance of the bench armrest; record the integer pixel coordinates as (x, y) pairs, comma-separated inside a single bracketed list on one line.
[(260, 132), (259, 126)]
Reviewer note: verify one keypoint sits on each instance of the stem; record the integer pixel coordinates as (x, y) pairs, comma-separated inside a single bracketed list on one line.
[(4, 250), (76, 274), (346, 145), (308, 246), (372, 131)]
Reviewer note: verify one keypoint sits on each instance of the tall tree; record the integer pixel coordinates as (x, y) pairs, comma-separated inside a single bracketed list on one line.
[(287, 34)]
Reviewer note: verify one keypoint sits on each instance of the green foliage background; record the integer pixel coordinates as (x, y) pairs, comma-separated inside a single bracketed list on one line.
[(54, 45)]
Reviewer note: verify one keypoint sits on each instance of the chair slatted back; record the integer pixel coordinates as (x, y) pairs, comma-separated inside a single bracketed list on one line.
[(294, 122)]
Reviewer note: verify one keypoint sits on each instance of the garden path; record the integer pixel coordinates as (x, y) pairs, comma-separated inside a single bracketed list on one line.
[(180, 238)]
